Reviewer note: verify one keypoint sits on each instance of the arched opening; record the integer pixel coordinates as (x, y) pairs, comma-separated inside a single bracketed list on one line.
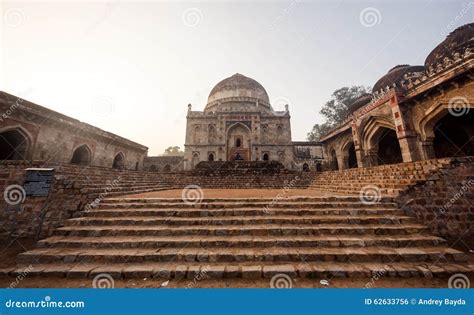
[(454, 136), (333, 161), (388, 147), (13, 145), (212, 134), (119, 161), (210, 157), (167, 168), (319, 168), (265, 157), (352, 158), (153, 168), (195, 160), (238, 142), (305, 167), (81, 156)]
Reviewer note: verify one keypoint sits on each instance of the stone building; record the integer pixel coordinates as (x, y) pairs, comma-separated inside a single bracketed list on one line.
[(238, 123), (414, 112), (31, 132)]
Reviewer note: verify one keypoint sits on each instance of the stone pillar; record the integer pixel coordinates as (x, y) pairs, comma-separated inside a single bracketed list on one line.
[(357, 147), (428, 149), (405, 133)]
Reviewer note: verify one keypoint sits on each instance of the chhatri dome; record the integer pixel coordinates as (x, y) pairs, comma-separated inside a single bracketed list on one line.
[(238, 87)]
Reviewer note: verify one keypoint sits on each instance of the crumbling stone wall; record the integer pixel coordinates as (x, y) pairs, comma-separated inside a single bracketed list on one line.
[(445, 202)]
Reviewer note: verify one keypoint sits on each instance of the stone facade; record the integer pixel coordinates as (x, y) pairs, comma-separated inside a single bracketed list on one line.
[(163, 163), (414, 112), (238, 123), (32, 132)]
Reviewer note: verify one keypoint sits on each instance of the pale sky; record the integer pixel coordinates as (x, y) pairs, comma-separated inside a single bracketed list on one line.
[(132, 67)]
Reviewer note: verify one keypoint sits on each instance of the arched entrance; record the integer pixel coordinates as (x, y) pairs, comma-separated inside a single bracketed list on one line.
[(195, 160), (333, 160), (210, 157), (453, 136), (350, 158), (167, 168), (387, 148), (81, 156), (238, 143), (14, 145), (305, 167), (265, 157), (119, 161)]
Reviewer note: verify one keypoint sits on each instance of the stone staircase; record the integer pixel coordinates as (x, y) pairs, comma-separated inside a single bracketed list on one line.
[(388, 179), (251, 238)]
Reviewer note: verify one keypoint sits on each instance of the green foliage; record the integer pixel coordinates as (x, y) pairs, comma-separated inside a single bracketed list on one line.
[(336, 109)]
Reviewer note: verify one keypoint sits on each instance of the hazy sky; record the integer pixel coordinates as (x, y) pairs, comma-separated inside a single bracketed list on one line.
[(132, 67)]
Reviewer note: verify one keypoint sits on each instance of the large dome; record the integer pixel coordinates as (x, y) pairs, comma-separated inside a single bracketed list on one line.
[(238, 85), (456, 42)]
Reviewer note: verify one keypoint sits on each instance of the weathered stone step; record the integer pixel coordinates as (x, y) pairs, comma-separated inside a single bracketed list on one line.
[(230, 255), (254, 220), (242, 241), (320, 270), (266, 200), (239, 212), (230, 205), (219, 230)]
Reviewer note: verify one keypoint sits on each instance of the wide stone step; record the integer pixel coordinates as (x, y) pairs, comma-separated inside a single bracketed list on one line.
[(205, 200), (242, 241), (230, 205), (239, 212), (254, 220), (219, 230), (230, 255), (191, 271)]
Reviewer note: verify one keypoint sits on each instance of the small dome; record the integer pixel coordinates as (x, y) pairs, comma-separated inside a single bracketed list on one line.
[(456, 42), (238, 85), (394, 76), (361, 101)]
